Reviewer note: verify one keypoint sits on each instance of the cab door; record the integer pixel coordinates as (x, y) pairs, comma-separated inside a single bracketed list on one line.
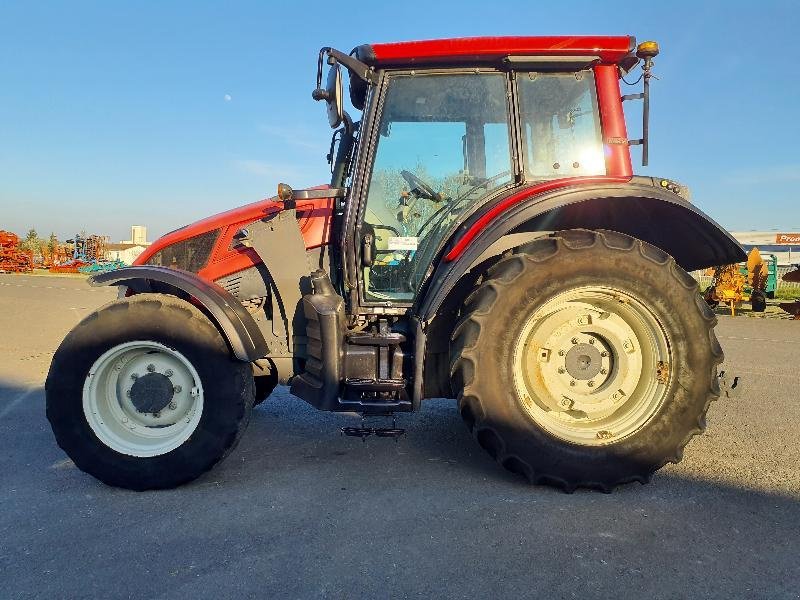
[(443, 146)]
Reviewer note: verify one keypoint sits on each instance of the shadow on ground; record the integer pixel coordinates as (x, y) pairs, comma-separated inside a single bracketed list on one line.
[(300, 511)]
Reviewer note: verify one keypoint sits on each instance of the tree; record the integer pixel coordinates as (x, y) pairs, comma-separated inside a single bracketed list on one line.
[(52, 244), (32, 242)]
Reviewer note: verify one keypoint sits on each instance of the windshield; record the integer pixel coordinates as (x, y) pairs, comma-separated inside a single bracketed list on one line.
[(443, 146)]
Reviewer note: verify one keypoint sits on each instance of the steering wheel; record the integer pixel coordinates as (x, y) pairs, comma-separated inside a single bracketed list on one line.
[(422, 189), (454, 204)]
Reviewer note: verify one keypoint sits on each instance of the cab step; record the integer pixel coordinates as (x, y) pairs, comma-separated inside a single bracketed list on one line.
[(359, 386)]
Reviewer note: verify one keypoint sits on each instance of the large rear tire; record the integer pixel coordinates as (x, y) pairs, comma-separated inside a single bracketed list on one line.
[(144, 394), (585, 359)]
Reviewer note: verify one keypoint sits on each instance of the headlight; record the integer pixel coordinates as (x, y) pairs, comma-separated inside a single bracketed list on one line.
[(189, 255)]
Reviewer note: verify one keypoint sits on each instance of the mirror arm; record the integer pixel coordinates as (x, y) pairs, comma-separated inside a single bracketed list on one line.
[(355, 66)]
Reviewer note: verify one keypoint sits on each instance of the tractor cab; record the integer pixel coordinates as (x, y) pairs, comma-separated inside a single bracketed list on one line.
[(448, 126)]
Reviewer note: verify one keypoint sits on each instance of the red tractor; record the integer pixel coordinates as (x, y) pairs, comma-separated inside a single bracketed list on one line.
[(483, 237)]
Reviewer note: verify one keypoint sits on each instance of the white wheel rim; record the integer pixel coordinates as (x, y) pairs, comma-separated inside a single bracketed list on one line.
[(592, 365), (114, 417)]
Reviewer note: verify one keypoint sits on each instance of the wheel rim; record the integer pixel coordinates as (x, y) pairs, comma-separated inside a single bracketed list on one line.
[(142, 398), (591, 365)]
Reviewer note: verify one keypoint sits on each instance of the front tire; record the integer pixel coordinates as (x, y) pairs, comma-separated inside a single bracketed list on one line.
[(586, 359), (144, 394)]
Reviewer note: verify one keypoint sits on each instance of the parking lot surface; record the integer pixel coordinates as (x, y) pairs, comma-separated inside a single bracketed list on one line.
[(299, 511)]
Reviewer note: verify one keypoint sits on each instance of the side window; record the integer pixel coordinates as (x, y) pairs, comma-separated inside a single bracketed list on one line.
[(561, 125), (443, 147)]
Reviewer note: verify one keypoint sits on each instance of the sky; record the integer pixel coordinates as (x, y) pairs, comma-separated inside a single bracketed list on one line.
[(161, 113)]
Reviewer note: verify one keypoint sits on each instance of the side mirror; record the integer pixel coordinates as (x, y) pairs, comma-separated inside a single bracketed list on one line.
[(333, 94)]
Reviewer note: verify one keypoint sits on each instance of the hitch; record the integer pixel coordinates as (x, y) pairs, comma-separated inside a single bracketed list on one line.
[(364, 432)]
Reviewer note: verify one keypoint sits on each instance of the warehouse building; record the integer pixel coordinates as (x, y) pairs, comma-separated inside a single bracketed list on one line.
[(784, 245), (124, 252)]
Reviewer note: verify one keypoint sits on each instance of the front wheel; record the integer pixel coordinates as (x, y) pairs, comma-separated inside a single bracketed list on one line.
[(143, 393), (586, 359)]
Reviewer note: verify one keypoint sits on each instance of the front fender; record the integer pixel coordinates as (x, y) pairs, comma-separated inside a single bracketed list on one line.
[(640, 209), (234, 322)]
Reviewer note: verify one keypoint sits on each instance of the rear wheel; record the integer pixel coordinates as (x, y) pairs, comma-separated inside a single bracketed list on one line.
[(144, 394), (586, 359)]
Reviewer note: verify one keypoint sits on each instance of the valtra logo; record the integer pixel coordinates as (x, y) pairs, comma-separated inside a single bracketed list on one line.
[(788, 238)]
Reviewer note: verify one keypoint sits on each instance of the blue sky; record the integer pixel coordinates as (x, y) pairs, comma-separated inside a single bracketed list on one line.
[(160, 113)]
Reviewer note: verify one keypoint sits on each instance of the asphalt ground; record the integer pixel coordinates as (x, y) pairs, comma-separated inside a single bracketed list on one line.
[(299, 511)]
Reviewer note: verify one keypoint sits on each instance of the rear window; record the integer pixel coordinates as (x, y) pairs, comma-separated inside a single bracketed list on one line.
[(188, 255), (561, 125)]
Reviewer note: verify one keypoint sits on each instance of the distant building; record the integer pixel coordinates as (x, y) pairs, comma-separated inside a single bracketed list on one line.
[(125, 252), (138, 236), (784, 245)]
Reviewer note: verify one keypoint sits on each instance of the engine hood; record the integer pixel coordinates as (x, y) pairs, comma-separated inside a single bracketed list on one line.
[(237, 216)]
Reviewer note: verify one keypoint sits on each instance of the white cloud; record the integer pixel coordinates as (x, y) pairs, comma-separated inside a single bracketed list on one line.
[(227, 97)]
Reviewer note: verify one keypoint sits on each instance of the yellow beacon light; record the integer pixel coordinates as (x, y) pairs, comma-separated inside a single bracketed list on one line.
[(647, 49)]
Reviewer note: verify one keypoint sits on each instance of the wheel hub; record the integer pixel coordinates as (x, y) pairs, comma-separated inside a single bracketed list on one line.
[(142, 398), (586, 365), (583, 362), (151, 393)]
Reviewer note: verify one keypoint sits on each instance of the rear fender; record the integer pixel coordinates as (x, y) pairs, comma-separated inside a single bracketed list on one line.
[(231, 318), (640, 209)]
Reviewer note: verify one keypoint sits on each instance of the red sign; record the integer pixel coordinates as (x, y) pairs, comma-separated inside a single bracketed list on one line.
[(792, 239)]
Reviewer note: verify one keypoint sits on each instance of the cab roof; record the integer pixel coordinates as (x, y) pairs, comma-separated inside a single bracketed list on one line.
[(472, 50)]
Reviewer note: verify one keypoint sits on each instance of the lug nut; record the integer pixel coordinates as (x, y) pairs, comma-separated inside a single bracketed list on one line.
[(157, 415), (168, 373), (590, 384), (591, 340), (177, 389), (173, 405), (566, 403), (572, 382), (604, 354), (574, 340), (134, 376), (151, 368), (603, 371), (561, 370), (561, 353), (128, 393)]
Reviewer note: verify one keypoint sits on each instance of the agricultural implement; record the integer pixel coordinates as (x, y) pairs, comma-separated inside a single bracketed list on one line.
[(88, 256), (757, 280), (483, 237), (793, 308), (13, 259)]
